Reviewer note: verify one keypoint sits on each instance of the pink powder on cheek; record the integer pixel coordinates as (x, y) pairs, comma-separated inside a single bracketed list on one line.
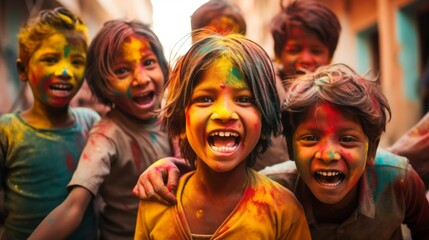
[(345, 154)]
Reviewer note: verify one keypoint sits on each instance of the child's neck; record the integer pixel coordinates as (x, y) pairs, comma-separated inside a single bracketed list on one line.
[(48, 117), (209, 197), (336, 213), (220, 183)]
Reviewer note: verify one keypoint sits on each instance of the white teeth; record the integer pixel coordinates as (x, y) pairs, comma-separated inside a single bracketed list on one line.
[(224, 134), (328, 173), (223, 148), (331, 184), (61, 86)]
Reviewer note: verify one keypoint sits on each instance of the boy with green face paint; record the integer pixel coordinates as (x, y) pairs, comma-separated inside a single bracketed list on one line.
[(40, 146)]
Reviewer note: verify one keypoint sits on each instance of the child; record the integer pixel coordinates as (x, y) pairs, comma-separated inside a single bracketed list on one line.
[(222, 103), (126, 71), (334, 119), (40, 146), (305, 36), (217, 16)]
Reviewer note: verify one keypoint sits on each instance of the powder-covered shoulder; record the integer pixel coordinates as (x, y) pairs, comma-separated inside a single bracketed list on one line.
[(386, 158), (86, 117), (273, 189)]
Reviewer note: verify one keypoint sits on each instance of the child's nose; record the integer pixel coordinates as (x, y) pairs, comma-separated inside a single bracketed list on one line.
[(140, 77), (63, 73), (328, 153), (223, 112)]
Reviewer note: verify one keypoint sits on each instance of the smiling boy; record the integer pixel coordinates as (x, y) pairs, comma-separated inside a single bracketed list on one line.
[(348, 188)]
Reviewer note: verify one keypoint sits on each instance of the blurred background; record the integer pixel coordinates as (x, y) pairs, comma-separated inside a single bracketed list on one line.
[(388, 36)]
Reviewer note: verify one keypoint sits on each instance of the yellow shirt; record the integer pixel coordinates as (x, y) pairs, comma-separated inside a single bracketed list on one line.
[(266, 211)]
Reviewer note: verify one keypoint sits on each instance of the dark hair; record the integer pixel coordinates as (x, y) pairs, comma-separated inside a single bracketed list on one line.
[(254, 65), (310, 16), (340, 86), (44, 25), (104, 49), (214, 9)]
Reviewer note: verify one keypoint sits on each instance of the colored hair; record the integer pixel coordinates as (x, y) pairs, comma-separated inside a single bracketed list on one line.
[(340, 86), (104, 50), (47, 23), (254, 65), (310, 16), (214, 9)]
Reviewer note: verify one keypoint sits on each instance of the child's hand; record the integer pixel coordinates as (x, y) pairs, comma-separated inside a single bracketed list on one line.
[(151, 183)]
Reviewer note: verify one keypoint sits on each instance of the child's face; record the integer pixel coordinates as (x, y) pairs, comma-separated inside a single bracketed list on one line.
[(330, 151), (303, 50), (55, 70), (223, 125), (140, 79)]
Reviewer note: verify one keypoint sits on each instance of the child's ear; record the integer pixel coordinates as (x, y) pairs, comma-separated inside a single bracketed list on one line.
[(22, 70)]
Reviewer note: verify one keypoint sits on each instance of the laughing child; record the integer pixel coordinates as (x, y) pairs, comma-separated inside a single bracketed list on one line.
[(126, 71), (40, 146), (334, 119), (222, 103), (305, 36)]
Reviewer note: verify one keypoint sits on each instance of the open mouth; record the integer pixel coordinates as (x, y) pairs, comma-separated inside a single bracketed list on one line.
[(143, 99), (224, 141), (329, 178), (61, 88)]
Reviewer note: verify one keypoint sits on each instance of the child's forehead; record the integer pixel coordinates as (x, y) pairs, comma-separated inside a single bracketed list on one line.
[(298, 31), (62, 39), (329, 112), (134, 42)]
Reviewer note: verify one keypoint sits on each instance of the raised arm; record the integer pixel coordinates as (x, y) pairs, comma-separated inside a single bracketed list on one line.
[(65, 218), (160, 180)]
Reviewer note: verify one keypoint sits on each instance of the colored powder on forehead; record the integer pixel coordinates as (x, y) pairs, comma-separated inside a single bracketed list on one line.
[(233, 75), (135, 47), (66, 50), (235, 78)]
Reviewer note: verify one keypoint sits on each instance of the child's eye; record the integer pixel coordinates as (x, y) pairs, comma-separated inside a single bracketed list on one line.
[(246, 100), (50, 60), (293, 50), (309, 138), (121, 72), (348, 139), (149, 62), (78, 62), (203, 100), (317, 51)]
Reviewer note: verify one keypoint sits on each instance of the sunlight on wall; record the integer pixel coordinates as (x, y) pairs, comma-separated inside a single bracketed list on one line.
[(172, 24)]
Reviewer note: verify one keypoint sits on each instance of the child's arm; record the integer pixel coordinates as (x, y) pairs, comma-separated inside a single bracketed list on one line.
[(151, 183), (417, 206), (65, 218), (414, 145)]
